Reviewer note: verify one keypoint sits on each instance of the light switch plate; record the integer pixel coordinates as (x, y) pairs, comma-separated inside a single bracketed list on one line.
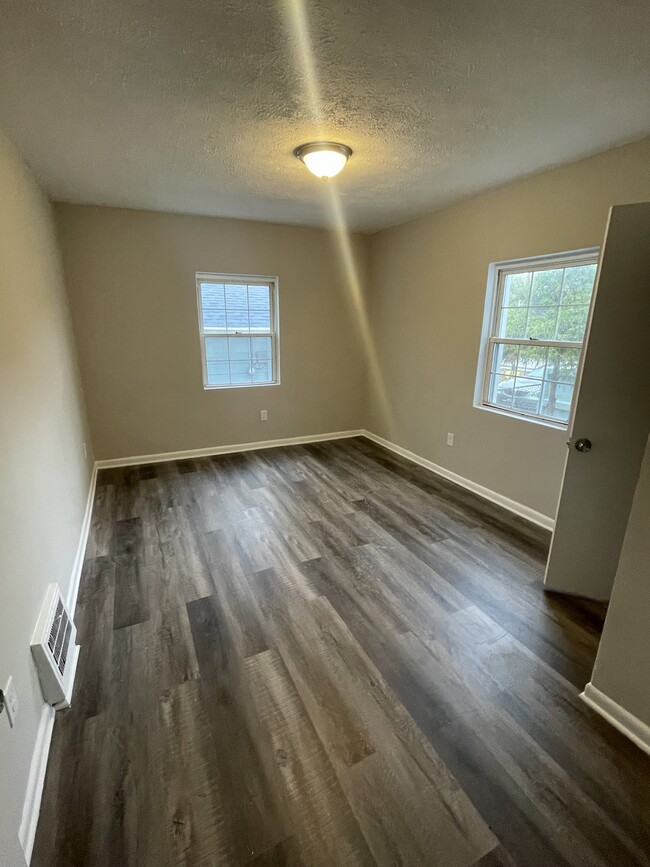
[(11, 701)]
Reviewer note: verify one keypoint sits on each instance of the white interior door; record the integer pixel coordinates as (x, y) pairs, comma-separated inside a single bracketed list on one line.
[(612, 413)]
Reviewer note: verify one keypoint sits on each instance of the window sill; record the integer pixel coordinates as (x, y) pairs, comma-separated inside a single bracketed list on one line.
[(238, 385), (516, 416)]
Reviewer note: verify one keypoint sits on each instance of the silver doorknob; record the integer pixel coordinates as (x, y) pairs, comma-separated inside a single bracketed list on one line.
[(583, 445)]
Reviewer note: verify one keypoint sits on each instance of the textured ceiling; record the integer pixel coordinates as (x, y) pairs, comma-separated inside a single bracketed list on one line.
[(196, 105)]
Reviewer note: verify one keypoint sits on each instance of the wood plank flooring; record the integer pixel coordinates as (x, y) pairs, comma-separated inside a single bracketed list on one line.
[(325, 655)]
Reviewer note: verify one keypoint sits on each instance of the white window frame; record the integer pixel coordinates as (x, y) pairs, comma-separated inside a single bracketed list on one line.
[(273, 333), (497, 273)]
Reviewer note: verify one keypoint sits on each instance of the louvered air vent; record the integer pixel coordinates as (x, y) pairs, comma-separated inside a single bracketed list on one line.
[(54, 649)]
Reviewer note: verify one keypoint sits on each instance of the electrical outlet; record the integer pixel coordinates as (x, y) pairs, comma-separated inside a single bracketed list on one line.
[(10, 697), (264, 415), (450, 439)]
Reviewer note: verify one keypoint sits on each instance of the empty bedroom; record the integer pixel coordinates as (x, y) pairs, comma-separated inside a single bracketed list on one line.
[(325, 478)]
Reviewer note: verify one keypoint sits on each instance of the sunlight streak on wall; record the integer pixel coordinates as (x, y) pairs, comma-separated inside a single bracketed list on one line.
[(356, 298), (295, 14)]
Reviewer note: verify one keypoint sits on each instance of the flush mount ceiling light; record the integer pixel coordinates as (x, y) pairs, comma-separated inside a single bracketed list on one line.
[(324, 158)]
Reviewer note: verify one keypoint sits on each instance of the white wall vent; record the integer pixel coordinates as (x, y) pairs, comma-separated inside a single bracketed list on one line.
[(54, 649)]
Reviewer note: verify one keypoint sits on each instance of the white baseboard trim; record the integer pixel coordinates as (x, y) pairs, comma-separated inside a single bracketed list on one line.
[(38, 766), (77, 567), (517, 508), (225, 450), (35, 782), (511, 505), (622, 719)]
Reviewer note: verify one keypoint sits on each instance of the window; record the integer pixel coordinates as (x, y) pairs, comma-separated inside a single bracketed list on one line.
[(536, 316), (238, 323)]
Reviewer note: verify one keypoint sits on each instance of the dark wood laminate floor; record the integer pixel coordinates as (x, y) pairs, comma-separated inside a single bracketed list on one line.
[(325, 655)]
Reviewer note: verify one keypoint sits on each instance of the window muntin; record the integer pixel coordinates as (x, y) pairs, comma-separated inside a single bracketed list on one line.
[(238, 330), (538, 323)]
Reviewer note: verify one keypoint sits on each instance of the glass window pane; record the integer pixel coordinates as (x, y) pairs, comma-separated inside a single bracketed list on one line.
[(260, 308), (536, 380), (541, 323), (556, 400), (237, 307), (516, 290), (216, 349), (547, 287), (571, 323), (526, 395), (239, 348), (213, 305), (262, 359), (504, 359), (240, 372), (562, 364), (218, 373), (501, 390), (513, 322), (263, 371), (238, 360), (532, 362), (543, 304), (250, 359), (261, 348), (578, 284)]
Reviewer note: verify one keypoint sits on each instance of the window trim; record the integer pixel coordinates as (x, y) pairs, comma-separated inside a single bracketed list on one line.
[(273, 333), (497, 273)]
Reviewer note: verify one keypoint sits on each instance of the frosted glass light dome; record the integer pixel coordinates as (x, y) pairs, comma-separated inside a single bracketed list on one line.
[(325, 159)]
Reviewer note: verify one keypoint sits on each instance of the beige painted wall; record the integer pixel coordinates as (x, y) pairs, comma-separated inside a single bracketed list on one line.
[(44, 478), (131, 287), (426, 310), (621, 669), (131, 281)]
